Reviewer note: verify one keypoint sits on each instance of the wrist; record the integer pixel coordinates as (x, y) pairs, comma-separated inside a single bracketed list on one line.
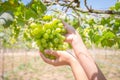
[(77, 44), (76, 40), (73, 61)]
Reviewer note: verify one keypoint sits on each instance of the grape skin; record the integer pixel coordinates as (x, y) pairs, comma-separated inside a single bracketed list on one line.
[(50, 36)]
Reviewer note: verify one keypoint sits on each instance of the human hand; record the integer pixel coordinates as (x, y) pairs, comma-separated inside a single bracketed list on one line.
[(74, 39), (62, 58)]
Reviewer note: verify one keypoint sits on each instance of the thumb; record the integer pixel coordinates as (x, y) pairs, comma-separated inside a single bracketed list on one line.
[(69, 38), (69, 28)]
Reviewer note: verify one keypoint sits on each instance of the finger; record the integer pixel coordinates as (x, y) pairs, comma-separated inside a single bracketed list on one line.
[(47, 60), (40, 53), (69, 38), (69, 28), (52, 52)]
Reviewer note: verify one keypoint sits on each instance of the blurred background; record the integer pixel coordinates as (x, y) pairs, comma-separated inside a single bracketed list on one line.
[(98, 22)]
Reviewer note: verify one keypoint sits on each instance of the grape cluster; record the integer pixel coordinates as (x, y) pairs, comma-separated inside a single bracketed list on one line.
[(49, 35)]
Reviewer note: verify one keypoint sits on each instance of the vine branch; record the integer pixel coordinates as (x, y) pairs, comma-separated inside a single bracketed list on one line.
[(89, 10), (85, 3)]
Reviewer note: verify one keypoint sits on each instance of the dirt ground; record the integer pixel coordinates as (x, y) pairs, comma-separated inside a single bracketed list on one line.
[(29, 66)]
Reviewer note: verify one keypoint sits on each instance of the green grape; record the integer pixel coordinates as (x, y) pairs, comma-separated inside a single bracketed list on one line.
[(50, 44), (53, 32), (56, 40), (35, 33), (49, 35), (52, 57), (64, 30), (49, 56), (62, 37), (55, 48), (65, 46), (43, 41), (60, 25), (47, 18), (58, 30), (60, 47), (58, 35), (47, 25), (56, 21), (35, 25), (41, 48), (38, 42), (46, 36), (44, 46), (48, 31)]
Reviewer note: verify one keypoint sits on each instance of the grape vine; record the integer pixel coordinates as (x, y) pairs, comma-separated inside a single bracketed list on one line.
[(102, 30)]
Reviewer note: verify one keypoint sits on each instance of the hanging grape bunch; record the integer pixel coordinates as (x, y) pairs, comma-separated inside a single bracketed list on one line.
[(49, 35)]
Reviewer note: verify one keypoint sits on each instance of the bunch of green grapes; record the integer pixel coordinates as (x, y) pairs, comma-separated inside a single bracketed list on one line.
[(49, 35)]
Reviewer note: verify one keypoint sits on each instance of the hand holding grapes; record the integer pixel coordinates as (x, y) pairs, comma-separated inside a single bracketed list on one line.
[(65, 58), (82, 54), (74, 39), (62, 57), (83, 66)]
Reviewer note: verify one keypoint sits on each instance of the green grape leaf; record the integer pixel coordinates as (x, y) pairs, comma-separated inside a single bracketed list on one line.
[(108, 39), (96, 39), (117, 6)]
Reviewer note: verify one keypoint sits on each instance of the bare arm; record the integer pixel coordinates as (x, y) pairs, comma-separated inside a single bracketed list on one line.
[(82, 54), (87, 62), (78, 71), (64, 58)]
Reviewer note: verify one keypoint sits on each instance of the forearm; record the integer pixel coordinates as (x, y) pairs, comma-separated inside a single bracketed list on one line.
[(82, 54), (90, 68), (78, 71), (88, 64), (86, 61)]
